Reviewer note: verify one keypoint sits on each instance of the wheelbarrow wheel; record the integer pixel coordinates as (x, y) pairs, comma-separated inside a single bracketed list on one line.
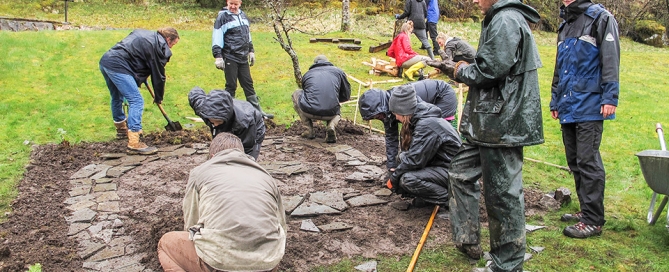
[(654, 215)]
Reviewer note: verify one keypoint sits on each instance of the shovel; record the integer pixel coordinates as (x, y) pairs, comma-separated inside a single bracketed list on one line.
[(171, 126)]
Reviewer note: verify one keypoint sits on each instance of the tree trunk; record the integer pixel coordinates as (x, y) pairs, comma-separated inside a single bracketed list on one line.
[(345, 15)]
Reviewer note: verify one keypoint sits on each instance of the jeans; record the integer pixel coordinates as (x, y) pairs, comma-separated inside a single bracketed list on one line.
[(124, 86)]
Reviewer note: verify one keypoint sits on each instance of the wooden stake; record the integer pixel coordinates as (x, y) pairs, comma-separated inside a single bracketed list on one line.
[(414, 259)]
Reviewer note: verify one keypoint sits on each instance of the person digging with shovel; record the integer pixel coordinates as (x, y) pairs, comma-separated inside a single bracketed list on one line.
[(125, 67)]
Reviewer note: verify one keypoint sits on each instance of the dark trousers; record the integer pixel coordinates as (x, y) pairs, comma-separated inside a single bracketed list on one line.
[(432, 30), (429, 183), (501, 172), (581, 145), (238, 71)]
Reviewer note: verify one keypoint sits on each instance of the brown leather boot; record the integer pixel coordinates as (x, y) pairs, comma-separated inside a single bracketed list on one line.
[(121, 129), (135, 147)]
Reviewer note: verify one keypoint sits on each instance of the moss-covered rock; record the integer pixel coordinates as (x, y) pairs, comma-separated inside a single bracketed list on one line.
[(649, 32)]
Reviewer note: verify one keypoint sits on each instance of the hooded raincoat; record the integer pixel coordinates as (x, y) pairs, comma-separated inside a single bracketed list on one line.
[(503, 107), (240, 117), (375, 101), (423, 168)]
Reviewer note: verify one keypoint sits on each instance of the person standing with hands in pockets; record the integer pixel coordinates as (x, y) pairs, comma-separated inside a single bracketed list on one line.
[(233, 49)]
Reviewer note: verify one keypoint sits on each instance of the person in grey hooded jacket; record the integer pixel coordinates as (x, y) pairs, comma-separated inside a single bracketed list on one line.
[(222, 113), (373, 104), (502, 115), (428, 145)]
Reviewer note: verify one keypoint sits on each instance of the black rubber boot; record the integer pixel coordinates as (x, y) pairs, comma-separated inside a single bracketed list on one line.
[(255, 101)]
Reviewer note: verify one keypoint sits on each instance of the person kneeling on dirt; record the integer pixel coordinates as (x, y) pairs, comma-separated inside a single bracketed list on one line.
[(373, 104), (125, 67), (455, 49), (222, 231), (428, 144), (324, 86), (222, 113)]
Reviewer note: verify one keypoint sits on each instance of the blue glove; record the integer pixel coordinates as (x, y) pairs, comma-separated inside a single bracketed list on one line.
[(397, 16)]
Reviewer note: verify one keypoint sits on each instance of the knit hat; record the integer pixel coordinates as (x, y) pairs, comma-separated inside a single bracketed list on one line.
[(403, 100), (320, 58)]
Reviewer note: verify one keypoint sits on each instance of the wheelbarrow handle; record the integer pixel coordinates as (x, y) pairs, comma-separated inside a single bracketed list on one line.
[(660, 135)]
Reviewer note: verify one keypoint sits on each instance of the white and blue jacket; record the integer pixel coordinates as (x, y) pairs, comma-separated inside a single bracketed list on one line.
[(231, 38)]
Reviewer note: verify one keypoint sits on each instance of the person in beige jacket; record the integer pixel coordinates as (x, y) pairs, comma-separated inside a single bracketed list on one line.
[(234, 219)]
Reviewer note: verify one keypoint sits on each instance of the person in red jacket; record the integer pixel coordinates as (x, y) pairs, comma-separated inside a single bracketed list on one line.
[(404, 56)]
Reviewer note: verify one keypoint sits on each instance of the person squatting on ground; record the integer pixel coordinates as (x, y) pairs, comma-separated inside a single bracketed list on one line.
[(374, 104), (222, 113), (502, 114), (405, 57), (125, 67), (233, 49), (585, 93), (222, 232), (416, 11), (324, 86), (432, 20), (428, 144), (455, 49)]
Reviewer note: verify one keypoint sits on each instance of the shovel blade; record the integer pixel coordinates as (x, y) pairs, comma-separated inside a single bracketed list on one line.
[(173, 126)]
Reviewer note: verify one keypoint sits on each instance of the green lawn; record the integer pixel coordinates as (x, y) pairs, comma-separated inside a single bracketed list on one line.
[(51, 89)]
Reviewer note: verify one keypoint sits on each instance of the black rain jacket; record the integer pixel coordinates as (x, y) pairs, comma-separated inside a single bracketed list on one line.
[(240, 117), (141, 54), (416, 10), (325, 86)]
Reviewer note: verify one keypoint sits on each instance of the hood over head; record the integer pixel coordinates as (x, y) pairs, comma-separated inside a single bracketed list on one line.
[(217, 104), (574, 10), (373, 102), (530, 14)]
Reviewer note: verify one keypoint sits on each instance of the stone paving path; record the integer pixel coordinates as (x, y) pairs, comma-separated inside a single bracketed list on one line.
[(97, 224)]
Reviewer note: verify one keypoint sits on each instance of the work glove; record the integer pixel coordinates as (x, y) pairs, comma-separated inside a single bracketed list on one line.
[(447, 66), (220, 63), (394, 182), (443, 55), (397, 16), (252, 58)]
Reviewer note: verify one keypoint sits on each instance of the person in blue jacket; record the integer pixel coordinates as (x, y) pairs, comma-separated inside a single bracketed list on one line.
[(432, 20), (584, 93), (232, 48)]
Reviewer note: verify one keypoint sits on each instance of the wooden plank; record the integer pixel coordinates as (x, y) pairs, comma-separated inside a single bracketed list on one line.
[(382, 46)]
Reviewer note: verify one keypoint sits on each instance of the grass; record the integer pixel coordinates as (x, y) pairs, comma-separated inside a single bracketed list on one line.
[(51, 89)]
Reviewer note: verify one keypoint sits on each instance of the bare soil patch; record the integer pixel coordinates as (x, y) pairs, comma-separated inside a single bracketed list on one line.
[(151, 196)]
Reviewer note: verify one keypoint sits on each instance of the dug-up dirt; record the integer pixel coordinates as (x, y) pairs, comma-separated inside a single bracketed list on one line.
[(87, 207)]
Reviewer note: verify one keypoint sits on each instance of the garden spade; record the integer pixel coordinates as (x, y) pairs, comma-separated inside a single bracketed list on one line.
[(171, 126)]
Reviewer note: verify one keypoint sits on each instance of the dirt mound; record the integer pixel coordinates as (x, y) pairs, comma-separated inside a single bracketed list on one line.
[(151, 196)]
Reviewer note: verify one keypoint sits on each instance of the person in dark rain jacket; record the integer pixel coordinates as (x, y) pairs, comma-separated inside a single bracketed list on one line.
[(416, 11), (502, 114), (222, 113), (373, 104), (324, 86), (428, 144), (125, 67)]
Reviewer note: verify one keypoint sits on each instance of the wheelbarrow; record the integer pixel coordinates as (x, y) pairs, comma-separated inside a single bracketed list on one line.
[(655, 168)]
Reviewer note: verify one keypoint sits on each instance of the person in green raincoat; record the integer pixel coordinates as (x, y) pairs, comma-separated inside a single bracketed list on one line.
[(502, 114)]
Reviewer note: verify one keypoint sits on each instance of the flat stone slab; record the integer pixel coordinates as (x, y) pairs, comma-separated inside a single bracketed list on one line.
[(184, 151), (338, 148), (531, 228), (355, 163), (79, 182), (367, 267), (354, 153), (103, 180), (351, 195), (335, 226), (81, 205), (84, 215), (109, 156), (400, 205), (89, 248), (201, 146), (284, 167), (105, 187), (103, 171), (383, 192), (133, 160), (313, 209), (80, 190), (365, 200), (88, 171), (169, 148), (537, 249), (107, 253), (77, 227), (108, 196), (372, 170), (291, 202), (75, 199), (308, 225), (112, 163), (332, 199), (118, 171), (109, 207)]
